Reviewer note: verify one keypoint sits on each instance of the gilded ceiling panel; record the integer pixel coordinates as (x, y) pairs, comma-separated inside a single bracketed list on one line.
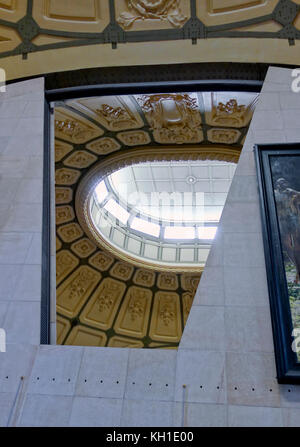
[(12, 10), (219, 12), (228, 110), (297, 22), (133, 316), (134, 138), (63, 195), (9, 39), (70, 232), (84, 336), (137, 15), (74, 291), (166, 323), (88, 16), (62, 328), (115, 113), (102, 300), (39, 26), (103, 305), (104, 146), (73, 127)]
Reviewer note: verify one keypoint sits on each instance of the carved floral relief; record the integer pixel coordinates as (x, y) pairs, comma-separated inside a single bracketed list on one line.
[(163, 10), (173, 117)]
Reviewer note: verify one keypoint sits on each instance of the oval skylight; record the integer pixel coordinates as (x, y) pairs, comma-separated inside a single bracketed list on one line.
[(164, 214)]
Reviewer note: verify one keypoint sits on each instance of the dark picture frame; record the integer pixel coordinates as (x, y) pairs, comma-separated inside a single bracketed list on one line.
[(277, 166)]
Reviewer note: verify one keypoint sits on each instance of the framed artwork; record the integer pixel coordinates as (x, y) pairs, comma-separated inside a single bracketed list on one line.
[(278, 168)]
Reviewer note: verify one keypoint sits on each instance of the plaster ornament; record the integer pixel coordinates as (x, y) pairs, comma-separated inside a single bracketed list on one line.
[(164, 10), (230, 114), (226, 136), (174, 118), (72, 129), (116, 117)]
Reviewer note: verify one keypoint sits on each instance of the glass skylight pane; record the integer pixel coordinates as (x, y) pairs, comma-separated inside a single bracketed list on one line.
[(117, 211), (145, 227), (179, 233), (207, 232), (101, 191)]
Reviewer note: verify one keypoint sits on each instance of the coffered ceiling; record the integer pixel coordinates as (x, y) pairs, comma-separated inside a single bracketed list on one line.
[(101, 299)]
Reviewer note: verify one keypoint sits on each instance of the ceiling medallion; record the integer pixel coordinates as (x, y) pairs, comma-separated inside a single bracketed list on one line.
[(164, 10)]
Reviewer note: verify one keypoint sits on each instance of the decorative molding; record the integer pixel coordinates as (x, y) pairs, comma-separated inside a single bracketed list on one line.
[(190, 282), (80, 159), (134, 138), (64, 214), (73, 292), (103, 304), (101, 261), (65, 263), (74, 128), (104, 146), (132, 319), (116, 117), (61, 150), (144, 278), (165, 324), (70, 232), (63, 195), (163, 10), (167, 281), (223, 136), (83, 248), (58, 244), (122, 271), (187, 300), (123, 342), (114, 113), (85, 336)]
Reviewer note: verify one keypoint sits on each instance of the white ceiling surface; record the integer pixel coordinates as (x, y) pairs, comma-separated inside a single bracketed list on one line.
[(212, 178)]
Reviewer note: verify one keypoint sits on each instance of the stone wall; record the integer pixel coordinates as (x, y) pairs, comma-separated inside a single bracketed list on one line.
[(225, 359)]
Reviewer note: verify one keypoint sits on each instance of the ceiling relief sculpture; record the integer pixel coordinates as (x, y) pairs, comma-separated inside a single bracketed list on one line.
[(174, 118), (223, 110), (169, 11), (103, 299), (73, 128), (9, 38)]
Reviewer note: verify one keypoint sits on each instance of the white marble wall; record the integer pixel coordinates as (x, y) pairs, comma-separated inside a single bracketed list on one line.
[(225, 359)]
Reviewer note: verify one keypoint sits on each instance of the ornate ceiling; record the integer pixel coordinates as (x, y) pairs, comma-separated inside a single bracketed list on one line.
[(102, 300), (28, 26)]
